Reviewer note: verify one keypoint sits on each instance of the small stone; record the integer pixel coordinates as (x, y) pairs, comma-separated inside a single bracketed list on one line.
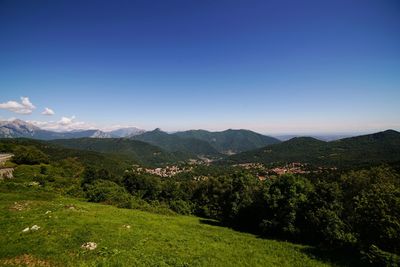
[(89, 245), (35, 228), (25, 230)]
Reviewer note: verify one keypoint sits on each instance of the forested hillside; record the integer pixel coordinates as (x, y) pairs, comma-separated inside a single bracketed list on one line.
[(172, 143), (230, 141), (361, 150)]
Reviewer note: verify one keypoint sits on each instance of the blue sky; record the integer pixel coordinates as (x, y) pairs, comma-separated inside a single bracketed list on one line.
[(270, 66)]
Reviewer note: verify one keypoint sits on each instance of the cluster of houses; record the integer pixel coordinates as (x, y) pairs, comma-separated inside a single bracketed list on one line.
[(167, 171), (250, 166), (293, 168)]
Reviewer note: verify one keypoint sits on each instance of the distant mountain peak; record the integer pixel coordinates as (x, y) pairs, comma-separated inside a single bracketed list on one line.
[(19, 128), (230, 141), (390, 131), (126, 132)]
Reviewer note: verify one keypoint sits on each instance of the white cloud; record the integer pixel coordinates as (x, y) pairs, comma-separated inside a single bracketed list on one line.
[(64, 124), (25, 107), (48, 112), (66, 121)]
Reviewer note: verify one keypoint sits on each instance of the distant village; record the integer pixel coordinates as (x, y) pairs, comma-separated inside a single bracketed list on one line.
[(261, 171), (167, 171)]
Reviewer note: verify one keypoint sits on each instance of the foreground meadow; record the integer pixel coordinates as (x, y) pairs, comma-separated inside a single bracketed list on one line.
[(126, 237)]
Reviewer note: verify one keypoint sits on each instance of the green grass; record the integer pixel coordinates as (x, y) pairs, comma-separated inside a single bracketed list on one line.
[(152, 240)]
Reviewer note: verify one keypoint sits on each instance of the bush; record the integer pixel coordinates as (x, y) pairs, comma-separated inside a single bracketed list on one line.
[(144, 186), (181, 207), (151, 206), (29, 155), (90, 175), (109, 193), (378, 257)]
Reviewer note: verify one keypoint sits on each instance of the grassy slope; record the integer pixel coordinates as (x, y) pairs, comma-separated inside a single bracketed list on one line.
[(152, 240)]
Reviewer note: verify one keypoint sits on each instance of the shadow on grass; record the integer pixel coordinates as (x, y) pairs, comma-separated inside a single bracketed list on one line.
[(336, 257), (211, 222)]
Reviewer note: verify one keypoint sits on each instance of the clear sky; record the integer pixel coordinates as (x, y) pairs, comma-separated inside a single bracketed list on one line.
[(270, 66)]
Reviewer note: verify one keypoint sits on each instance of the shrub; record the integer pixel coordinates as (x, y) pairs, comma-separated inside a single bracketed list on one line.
[(181, 207), (90, 175), (29, 155), (109, 193), (145, 186), (378, 257)]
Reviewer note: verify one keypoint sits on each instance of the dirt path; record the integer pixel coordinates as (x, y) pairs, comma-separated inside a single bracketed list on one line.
[(5, 157)]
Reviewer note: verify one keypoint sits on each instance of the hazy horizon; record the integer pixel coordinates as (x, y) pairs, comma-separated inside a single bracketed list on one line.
[(280, 135)]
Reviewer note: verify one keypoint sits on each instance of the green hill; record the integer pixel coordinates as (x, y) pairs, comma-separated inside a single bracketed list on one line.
[(132, 150), (382, 147), (230, 141), (150, 240), (174, 143)]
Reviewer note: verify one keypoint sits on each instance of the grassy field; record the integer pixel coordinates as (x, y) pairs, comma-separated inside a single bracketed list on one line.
[(150, 240)]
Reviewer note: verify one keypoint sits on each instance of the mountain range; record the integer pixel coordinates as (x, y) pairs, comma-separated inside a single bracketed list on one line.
[(19, 128), (201, 142), (190, 143), (231, 146)]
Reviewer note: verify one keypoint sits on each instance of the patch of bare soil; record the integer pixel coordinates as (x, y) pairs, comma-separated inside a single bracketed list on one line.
[(20, 206), (25, 260), (70, 207)]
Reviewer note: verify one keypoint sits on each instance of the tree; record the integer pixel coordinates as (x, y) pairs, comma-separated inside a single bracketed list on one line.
[(285, 200), (143, 185), (108, 192), (323, 221)]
